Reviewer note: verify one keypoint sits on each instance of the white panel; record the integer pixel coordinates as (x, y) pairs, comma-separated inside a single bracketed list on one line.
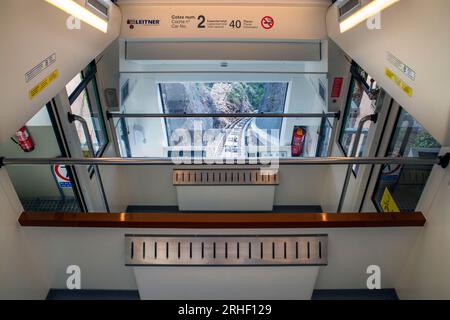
[(426, 272), (153, 186), (225, 283), (39, 33), (259, 51), (21, 274), (100, 254), (417, 33), (225, 198)]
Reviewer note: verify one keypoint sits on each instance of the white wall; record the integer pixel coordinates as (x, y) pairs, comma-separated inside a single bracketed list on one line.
[(152, 185), (21, 274), (101, 254), (34, 181), (303, 99), (27, 44), (418, 33), (38, 257), (147, 136), (426, 272)]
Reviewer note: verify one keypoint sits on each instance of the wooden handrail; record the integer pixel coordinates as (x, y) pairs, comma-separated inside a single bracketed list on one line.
[(221, 220)]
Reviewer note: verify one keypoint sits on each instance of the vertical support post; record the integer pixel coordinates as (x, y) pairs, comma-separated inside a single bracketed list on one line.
[(373, 118), (72, 118), (112, 128)]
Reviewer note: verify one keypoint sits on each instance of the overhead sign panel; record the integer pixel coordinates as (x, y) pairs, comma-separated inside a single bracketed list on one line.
[(224, 22)]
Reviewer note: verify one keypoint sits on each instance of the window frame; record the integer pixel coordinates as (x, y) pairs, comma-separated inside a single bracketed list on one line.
[(288, 83), (65, 152), (89, 77), (322, 136), (393, 135), (355, 77)]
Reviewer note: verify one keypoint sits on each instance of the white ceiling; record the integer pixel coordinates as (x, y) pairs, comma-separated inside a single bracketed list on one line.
[(260, 2)]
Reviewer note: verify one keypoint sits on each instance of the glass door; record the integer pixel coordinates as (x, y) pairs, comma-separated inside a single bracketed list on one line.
[(399, 187)]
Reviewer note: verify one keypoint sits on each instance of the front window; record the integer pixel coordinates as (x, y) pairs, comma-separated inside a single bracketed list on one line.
[(225, 136)]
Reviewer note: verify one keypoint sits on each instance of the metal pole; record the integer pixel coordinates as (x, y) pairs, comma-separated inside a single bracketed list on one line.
[(223, 115), (442, 161), (114, 135), (362, 122), (72, 118)]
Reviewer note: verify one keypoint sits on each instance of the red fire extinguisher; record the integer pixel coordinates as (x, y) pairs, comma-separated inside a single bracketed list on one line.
[(24, 139), (298, 140)]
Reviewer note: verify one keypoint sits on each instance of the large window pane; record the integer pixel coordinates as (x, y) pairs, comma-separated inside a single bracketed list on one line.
[(85, 102), (399, 187), (82, 108), (223, 97), (228, 136), (359, 106), (74, 83), (146, 137), (324, 138)]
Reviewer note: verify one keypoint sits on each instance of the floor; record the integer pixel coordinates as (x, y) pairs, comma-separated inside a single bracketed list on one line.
[(50, 205), (276, 209), (353, 294)]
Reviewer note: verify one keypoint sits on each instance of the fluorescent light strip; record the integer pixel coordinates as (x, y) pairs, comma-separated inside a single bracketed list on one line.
[(365, 13), (80, 12)]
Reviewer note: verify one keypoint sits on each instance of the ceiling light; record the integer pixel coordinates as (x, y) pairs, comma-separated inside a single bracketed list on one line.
[(80, 12), (366, 12)]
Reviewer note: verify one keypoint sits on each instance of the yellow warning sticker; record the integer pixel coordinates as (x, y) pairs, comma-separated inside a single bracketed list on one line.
[(399, 82), (43, 84), (388, 203)]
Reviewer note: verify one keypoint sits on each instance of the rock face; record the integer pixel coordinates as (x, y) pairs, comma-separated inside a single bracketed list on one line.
[(221, 97)]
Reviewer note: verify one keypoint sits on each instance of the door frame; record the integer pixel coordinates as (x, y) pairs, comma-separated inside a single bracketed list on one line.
[(65, 152), (366, 203)]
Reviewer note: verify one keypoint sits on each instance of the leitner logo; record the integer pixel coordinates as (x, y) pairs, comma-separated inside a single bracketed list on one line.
[(143, 22)]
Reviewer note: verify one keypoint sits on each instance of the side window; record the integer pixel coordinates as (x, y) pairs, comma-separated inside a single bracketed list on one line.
[(360, 103), (326, 129), (85, 102), (399, 187)]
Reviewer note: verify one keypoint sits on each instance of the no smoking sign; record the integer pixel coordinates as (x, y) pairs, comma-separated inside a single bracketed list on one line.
[(267, 22)]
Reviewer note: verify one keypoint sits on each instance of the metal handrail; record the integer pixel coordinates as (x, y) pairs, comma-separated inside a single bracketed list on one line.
[(373, 118), (443, 161), (223, 115)]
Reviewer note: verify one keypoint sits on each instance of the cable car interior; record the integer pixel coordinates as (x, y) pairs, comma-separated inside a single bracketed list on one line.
[(245, 150)]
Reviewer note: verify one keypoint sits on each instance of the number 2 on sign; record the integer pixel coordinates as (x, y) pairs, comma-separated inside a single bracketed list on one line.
[(201, 20)]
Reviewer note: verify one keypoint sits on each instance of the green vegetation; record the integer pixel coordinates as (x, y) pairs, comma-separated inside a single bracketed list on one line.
[(425, 140)]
